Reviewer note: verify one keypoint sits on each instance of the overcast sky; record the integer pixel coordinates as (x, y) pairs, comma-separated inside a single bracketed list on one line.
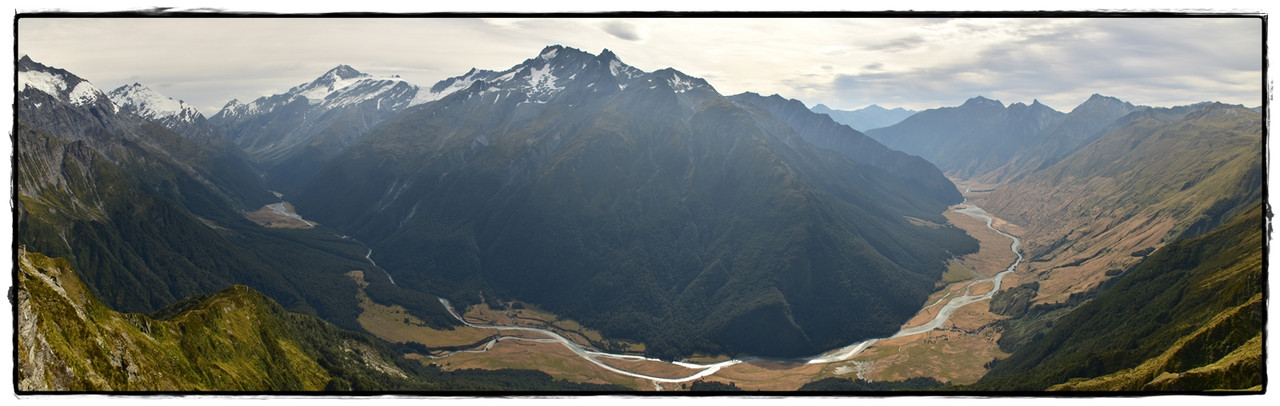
[(845, 63)]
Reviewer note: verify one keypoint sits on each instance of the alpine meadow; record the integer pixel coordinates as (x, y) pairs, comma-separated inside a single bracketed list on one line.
[(624, 204)]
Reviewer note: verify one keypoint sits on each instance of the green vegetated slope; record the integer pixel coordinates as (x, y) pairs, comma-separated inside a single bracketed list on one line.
[(643, 204), (1188, 318), (233, 340), (133, 206)]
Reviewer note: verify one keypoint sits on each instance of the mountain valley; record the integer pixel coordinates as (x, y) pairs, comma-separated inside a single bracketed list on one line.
[(574, 223)]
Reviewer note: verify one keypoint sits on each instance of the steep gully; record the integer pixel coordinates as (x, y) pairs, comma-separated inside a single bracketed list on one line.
[(837, 355)]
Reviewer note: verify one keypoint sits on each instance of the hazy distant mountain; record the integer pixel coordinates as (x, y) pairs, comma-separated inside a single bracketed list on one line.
[(644, 204), (866, 118), (1082, 125), (823, 132), (971, 139), (227, 165), (290, 135)]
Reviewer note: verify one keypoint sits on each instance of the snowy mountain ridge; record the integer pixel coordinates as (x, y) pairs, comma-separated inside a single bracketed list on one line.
[(152, 105), (339, 87), (542, 78), (59, 83)]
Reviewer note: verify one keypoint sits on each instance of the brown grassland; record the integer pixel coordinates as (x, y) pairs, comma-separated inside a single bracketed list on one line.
[(550, 357), (395, 324)]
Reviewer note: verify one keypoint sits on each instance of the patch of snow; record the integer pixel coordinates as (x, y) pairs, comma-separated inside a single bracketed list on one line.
[(508, 76), (364, 90), (551, 53), (615, 67), (459, 83), (541, 78), (319, 90), (84, 93), (679, 84), (542, 84), (42, 81)]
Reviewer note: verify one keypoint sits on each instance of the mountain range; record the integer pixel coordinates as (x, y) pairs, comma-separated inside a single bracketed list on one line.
[(971, 139), (484, 186), (290, 135), (643, 205), (149, 216), (865, 118)]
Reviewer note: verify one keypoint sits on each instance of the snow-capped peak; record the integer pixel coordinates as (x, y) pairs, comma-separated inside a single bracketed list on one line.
[(58, 83), (550, 52), (335, 79), (150, 104), (680, 82), (982, 101), (619, 70), (344, 72), (338, 87)]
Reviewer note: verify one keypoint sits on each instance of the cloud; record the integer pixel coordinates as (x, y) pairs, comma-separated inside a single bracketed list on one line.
[(897, 44), (1159, 62), (843, 63), (623, 30)]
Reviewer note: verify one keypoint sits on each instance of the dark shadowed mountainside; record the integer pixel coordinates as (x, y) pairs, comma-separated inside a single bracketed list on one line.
[(644, 204)]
